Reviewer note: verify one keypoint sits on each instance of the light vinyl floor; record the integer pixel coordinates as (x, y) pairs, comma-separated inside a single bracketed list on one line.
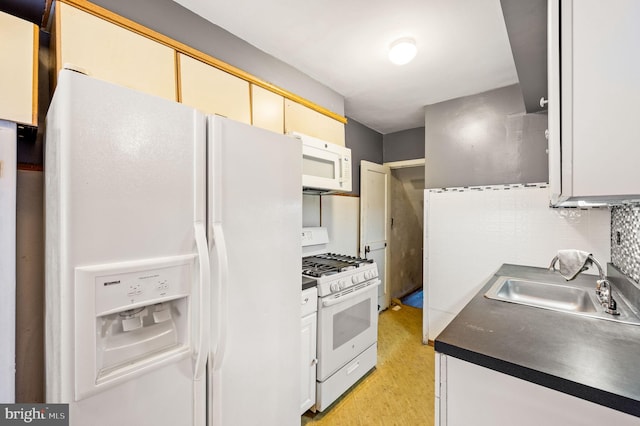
[(400, 390)]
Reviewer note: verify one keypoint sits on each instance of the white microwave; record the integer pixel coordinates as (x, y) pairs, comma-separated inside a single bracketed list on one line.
[(326, 167)]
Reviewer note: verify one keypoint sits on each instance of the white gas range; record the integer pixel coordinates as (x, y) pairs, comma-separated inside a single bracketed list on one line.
[(347, 315)]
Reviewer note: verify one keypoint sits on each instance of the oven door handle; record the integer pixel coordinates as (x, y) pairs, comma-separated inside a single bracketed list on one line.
[(331, 302)]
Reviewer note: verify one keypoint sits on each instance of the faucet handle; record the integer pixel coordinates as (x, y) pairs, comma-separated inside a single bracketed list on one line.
[(605, 297)]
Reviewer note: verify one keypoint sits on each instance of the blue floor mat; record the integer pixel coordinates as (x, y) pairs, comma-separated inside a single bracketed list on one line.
[(414, 299)]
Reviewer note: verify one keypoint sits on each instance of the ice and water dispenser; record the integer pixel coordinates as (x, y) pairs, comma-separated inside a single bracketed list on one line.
[(130, 318)]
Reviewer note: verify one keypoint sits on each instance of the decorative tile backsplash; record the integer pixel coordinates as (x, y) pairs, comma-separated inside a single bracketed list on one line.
[(625, 240)]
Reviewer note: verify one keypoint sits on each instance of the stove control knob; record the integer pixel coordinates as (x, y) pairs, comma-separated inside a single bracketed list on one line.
[(368, 275), (354, 279), (342, 284), (335, 287)]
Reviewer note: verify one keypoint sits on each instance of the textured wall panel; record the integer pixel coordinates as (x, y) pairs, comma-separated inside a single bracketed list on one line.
[(625, 240)]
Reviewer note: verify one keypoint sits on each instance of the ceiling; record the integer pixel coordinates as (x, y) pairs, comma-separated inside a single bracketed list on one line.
[(463, 49)]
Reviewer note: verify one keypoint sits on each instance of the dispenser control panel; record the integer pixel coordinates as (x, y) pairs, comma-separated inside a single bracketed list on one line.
[(130, 318), (114, 292)]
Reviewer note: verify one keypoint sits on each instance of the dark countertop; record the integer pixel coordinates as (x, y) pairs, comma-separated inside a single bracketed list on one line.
[(593, 359), (308, 282)]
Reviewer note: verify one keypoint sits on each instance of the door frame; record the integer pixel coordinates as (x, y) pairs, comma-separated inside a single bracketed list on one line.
[(405, 163), (391, 165)]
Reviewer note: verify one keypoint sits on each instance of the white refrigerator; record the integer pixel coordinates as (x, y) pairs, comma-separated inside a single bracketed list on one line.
[(144, 308)]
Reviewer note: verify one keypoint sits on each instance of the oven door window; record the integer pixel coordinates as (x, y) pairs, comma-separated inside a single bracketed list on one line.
[(349, 323)]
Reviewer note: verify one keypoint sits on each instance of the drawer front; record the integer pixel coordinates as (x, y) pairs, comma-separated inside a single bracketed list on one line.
[(309, 301)]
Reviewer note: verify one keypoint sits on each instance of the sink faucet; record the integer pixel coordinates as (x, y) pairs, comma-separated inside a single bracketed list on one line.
[(603, 290), (603, 286)]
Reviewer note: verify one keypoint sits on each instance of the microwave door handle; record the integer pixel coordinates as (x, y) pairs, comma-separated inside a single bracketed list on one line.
[(331, 302)]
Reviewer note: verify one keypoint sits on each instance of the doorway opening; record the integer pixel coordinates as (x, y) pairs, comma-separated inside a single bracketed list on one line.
[(406, 233)]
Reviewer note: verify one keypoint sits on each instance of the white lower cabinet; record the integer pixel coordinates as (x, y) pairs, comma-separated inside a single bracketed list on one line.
[(308, 332), (468, 394)]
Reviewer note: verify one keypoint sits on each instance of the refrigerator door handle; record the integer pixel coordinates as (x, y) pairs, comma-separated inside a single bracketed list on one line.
[(220, 246), (204, 284)]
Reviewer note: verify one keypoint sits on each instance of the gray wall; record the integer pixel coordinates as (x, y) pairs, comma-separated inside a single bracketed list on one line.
[(365, 144), (404, 145), (526, 23), (484, 139), (173, 20), (30, 299)]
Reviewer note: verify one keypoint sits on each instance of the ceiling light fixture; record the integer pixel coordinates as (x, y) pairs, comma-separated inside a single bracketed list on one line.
[(402, 51)]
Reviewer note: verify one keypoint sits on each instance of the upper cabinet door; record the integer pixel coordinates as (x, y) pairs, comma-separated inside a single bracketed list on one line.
[(213, 91), (267, 109), (19, 70), (594, 90), (112, 53), (299, 118)]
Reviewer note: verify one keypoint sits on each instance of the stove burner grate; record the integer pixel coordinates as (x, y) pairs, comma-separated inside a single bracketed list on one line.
[(330, 264)]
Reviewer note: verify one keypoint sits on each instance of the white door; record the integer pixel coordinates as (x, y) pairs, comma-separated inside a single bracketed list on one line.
[(374, 221)]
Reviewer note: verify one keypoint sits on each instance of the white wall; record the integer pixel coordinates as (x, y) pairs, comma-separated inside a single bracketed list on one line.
[(470, 233), (341, 215), (310, 210)]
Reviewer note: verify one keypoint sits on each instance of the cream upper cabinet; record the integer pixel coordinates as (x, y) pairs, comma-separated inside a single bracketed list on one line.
[(299, 118), (19, 70), (267, 109), (112, 53), (213, 91)]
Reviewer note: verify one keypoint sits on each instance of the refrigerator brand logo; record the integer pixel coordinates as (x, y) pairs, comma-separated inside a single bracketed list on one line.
[(38, 414), (112, 282)]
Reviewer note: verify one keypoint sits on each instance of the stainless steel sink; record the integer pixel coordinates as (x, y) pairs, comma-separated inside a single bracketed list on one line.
[(557, 297)]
